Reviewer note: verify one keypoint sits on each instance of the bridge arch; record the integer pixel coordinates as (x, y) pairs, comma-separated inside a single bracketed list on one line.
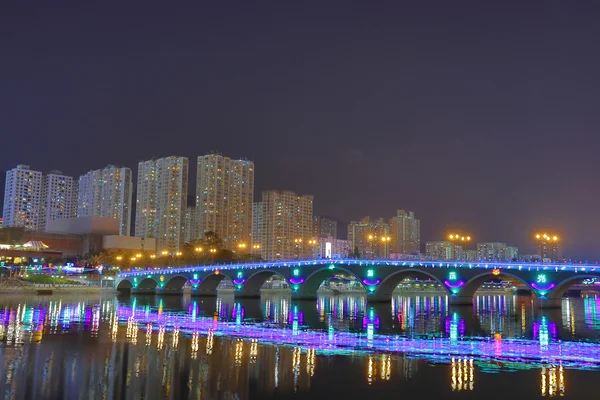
[(175, 282), (390, 282), (314, 280), (474, 283), (124, 285), (562, 286), (210, 282), (255, 282)]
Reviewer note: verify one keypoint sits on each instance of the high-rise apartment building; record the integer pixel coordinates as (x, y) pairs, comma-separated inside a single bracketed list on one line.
[(191, 224), (161, 203), (258, 216), (324, 227), (107, 192), (32, 198), (22, 198), (441, 250), (57, 201), (287, 225), (224, 198), (496, 251), (366, 237), (405, 230)]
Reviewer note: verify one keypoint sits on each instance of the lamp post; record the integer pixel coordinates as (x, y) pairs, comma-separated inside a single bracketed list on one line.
[(373, 239), (297, 248), (547, 246), (255, 248), (312, 243), (460, 240)]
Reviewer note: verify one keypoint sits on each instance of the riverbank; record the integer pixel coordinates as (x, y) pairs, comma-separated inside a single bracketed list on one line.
[(55, 289)]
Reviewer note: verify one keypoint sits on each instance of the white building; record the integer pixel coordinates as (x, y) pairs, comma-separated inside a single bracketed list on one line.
[(330, 247), (22, 198), (57, 198), (162, 201), (224, 198), (107, 192)]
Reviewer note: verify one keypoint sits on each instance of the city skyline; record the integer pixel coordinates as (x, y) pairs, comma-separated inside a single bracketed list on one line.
[(369, 110)]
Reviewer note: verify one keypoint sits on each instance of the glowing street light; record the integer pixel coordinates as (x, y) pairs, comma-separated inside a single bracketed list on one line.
[(119, 258), (462, 239), (164, 252), (138, 255), (198, 249), (242, 246), (178, 254), (153, 256), (547, 245)]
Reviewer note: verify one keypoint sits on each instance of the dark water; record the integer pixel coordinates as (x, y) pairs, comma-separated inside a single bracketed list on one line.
[(503, 347)]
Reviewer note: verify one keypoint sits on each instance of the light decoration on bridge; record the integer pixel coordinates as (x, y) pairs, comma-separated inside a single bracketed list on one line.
[(369, 282), (496, 271), (453, 283), (542, 285), (195, 281), (239, 280), (162, 281), (135, 283)]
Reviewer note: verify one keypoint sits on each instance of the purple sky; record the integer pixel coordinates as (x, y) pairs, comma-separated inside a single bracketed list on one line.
[(477, 115)]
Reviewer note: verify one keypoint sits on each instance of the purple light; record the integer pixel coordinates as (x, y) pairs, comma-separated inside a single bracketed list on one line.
[(369, 282), (195, 281), (542, 289), (238, 281), (577, 354), (454, 285), (296, 281)]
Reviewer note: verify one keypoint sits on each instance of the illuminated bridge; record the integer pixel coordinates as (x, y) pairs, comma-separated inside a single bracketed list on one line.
[(459, 279)]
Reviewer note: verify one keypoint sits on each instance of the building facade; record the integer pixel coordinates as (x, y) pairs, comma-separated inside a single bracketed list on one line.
[(405, 230), (258, 216), (330, 247), (287, 225), (161, 203), (496, 251), (365, 237), (58, 198), (441, 250), (191, 224), (324, 227), (224, 198), (107, 192), (23, 198)]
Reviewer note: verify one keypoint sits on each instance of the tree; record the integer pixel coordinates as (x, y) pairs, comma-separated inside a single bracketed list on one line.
[(211, 241)]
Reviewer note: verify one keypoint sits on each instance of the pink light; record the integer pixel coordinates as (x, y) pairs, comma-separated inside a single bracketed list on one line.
[(454, 285)]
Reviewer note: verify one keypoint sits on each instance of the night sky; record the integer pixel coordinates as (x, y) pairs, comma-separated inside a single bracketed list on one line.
[(481, 116)]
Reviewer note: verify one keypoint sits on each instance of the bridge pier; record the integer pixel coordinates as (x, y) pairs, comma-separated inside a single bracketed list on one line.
[(461, 300), (549, 303)]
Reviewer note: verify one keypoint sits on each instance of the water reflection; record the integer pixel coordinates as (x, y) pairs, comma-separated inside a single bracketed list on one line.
[(162, 348)]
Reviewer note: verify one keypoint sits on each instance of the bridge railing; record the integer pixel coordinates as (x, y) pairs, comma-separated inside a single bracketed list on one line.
[(365, 262)]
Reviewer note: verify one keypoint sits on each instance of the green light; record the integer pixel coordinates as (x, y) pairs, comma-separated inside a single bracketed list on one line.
[(195, 276), (331, 266), (452, 275), (296, 272), (239, 274), (370, 273), (541, 278)]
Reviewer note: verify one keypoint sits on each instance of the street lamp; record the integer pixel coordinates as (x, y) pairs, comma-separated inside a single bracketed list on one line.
[(178, 254), (164, 253), (119, 258), (298, 244), (544, 242), (373, 239), (460, 240), (198, 249)]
